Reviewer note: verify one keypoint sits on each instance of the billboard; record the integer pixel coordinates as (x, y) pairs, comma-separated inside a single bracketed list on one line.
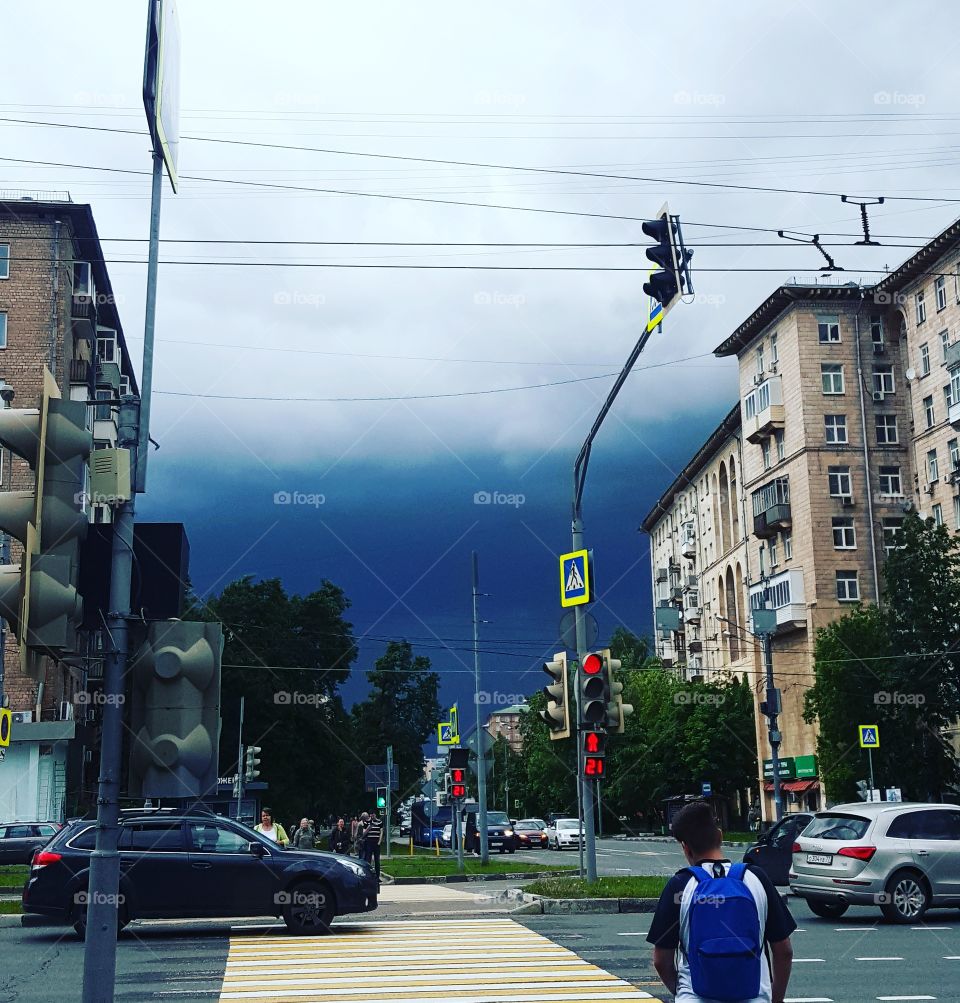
[(161, 82)]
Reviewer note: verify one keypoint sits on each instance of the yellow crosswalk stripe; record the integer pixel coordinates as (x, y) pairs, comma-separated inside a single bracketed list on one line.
[(480, 961)]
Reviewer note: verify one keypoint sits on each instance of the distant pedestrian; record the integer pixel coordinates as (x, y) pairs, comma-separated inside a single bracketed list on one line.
[(272, 830), (373, 837), (304, 838), (354, 823), (361, 841), (753, 817), (339, 838), (714, 920)]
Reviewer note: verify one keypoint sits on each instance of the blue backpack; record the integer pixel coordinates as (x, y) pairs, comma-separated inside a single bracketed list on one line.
[(725, 940)]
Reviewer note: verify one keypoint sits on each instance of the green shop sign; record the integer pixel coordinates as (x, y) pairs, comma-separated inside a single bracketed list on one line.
[(788, 768)]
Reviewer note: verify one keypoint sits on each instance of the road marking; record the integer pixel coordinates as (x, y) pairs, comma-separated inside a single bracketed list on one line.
[(800, 961), (906, 997), (879, 959), (492, 961), (951, 957), (930, 928), (639, 933), (853, 929), (808, 999)]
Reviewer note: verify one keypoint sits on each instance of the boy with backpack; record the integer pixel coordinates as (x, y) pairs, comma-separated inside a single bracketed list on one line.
[(715, 920)]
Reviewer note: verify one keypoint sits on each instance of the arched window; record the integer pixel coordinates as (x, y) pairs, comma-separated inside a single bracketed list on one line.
[(724, 626), (732, 612), (734, 503), (715, 505), (724, 510)]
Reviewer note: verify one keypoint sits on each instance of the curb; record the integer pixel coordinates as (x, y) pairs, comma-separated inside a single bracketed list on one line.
[(670, 839), (27, 919), (453, 879), (555, 907)]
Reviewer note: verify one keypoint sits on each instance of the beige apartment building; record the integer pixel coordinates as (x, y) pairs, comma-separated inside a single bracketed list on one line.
[(849, 414)]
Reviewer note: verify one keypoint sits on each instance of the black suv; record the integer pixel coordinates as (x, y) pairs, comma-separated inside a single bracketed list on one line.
[(194, 865)]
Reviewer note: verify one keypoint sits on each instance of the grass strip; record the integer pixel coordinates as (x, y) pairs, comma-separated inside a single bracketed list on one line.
[(626, 887)]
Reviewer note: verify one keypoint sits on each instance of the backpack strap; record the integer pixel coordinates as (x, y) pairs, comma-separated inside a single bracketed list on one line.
[(738, 871), (699, 873)]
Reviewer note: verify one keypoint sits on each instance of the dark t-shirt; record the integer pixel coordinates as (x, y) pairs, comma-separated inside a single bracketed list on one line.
[(665, 928)]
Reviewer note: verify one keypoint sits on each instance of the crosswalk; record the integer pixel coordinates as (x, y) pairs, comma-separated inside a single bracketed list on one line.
[(472, 961)]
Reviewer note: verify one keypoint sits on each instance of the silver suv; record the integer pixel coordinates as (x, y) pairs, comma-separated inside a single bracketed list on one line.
[(904, 858)]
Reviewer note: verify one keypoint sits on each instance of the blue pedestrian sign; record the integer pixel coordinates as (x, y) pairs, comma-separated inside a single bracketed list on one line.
[(654, 311), (706, 788), (574, 578), (869, 736)]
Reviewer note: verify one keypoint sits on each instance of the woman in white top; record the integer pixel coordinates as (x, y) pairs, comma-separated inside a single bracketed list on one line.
[(270, 829)]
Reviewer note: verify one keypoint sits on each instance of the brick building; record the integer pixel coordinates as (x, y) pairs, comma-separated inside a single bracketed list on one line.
[(57, 312), (506, 723), (848, 415)]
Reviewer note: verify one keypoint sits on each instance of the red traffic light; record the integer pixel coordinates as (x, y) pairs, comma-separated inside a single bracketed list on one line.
[(457, 776), (593, 664), (458, 790), (593, 743), (593, 766)]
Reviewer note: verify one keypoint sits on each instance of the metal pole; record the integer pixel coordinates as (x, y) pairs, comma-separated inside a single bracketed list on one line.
[(7, 396), (481, 752), (240, 763), (586, 792), (100, 950), (599, 810), (773, 730), (388, 799), (870, 761), (457, 829)]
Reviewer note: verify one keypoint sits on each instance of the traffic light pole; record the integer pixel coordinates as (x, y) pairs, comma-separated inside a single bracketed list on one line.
[(388, 820), (100, 950), (772, 730), (480, 751), (240, 763)]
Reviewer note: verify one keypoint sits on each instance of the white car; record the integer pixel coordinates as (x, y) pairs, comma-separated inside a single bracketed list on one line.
[(565, 832)]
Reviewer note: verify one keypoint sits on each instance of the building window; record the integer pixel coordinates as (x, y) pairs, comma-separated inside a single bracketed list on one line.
[(835, 428), (944, 342), (765, 449), (940, 288), (778, 439), (956, 511), (890, 483), (4, 261), (924, 359), (928, 414), (773, 552), (759, 355), (886, 429), (883, 380), (921, 307), (848, 588), (774, 351), (933, 467), (102, 412), (955, 385), (788, 544), (938, 514), (953, 447), (82, 279), (876, 329), (3, 329), (828, 330), (839, 480), (106, 344), (102, 444), (892, 529), (831, 377), (948, 396), (844, 534)]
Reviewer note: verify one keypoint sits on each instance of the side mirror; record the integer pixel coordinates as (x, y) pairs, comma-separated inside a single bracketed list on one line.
[(257, 849)]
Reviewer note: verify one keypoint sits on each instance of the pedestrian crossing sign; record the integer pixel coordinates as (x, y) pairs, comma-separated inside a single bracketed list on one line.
[(445, 733), (869, 736), (574, 578)]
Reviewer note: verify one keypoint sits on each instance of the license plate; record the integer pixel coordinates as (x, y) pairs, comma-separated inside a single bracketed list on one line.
[(819, 858)]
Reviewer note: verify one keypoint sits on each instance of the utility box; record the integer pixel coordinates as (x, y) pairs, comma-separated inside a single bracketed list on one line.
[(110, 476)]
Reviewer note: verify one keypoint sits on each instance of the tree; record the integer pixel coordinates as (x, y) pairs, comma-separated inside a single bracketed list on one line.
[(402, 710), (287, 655), (633, 651), (548, 780)]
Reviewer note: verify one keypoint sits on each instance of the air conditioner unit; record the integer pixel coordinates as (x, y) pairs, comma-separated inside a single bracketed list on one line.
[(879, 348), (878, 395), (954, 476), (773, 369), (758, 379), (22, 716), (661, 574), (66, 710)]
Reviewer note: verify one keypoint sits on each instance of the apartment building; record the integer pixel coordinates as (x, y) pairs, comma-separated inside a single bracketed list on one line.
[(505, 723), (57, 311)]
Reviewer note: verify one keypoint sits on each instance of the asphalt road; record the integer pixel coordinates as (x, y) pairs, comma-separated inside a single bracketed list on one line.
[(619, 857)]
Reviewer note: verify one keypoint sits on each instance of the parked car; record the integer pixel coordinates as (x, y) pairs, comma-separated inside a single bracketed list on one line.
[(565, 832), (905, 858), (773, 850), (19, 840), (446, 837), (531, 834), (193, 865), (500, 835)]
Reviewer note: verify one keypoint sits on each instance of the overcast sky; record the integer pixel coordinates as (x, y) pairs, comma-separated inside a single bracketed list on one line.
[(819, 97)]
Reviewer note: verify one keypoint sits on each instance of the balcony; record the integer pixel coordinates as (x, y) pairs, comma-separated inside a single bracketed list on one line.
[(763, 410), (785, 597), (79, 371), (951, 355), (688, 540), (953, 413), (771, 508)]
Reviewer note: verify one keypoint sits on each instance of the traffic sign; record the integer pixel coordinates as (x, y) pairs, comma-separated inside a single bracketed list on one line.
[(574, 578), (706, 788), (869, 736), (445, 734), (376, 776), (486, 741), (568, 630), (654, 308), (6, 719)]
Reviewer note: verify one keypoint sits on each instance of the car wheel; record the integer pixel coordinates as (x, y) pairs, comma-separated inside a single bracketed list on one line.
[(556, 844), (906, 899), (78, 917), (827, 910), (513, 849), (309, 908)]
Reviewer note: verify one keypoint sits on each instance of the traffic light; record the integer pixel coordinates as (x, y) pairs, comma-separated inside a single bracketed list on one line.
[(251, 763), (175, 711), (593, 691), (381, 797), (672, 258), (771, 707), (39, 596), (458, 783), (617, 710), (594, 752), (557, 714)]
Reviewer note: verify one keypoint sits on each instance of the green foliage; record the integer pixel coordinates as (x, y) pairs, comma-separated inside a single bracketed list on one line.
[(402, 710), (548, 783), (639, 886), (896, 667)]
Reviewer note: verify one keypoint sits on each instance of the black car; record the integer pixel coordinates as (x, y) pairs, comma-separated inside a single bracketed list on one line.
[(500, 834), (195, 865), (19, 840), (773, 851)]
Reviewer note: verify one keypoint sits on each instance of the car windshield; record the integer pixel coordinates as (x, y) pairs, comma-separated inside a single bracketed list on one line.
[(837, 827), (497, 818), (567, 823), (528, 823)]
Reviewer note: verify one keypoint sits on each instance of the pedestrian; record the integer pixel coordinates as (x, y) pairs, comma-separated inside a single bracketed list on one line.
[(354, 823), (372, 838), (304, 838), (272, 830), (339, 840), (753, 817), (360, 842), (714, 919)]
